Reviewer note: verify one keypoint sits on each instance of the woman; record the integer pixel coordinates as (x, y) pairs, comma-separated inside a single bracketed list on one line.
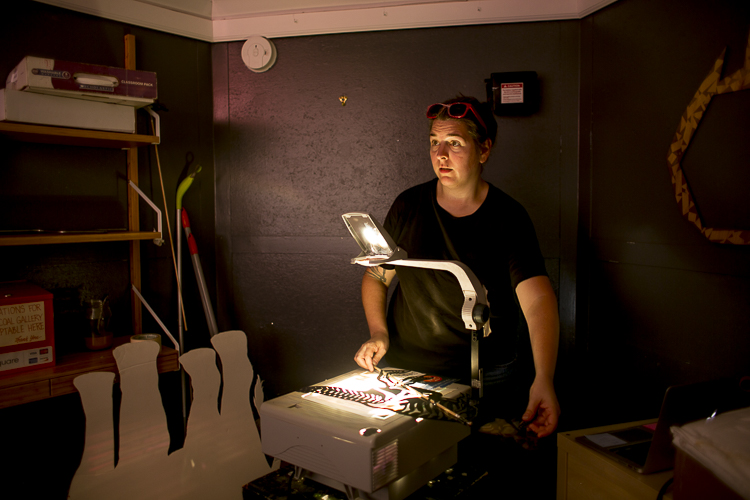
[(460, 216)]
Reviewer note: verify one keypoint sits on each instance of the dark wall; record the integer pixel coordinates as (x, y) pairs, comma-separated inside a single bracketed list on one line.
[(665, 305), (291, 159), (62, 187), (646, 301)]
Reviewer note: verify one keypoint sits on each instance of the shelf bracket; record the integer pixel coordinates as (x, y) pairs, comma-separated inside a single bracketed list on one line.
[(157, 124), (157, 241), (156, 317)]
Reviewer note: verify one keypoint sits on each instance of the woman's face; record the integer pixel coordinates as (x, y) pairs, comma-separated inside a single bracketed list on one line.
[(456, 158)]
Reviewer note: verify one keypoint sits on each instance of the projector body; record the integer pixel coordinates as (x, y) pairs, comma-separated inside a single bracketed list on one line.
[(364, 452)]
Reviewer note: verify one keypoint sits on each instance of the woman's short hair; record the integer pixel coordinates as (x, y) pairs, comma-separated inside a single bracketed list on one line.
[(474, 127)]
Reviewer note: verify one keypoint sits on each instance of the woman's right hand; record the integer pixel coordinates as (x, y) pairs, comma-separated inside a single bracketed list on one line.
[(369, 354)]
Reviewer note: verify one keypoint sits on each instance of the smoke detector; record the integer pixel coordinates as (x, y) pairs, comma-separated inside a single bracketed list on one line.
[(258, 54)]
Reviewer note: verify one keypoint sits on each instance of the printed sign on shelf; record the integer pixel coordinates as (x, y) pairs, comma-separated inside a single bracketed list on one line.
[(22, 323)]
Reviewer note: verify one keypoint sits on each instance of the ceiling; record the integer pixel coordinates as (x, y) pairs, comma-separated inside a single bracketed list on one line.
[(229, 20)]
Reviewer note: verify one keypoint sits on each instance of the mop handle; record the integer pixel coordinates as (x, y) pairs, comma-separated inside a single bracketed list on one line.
[(192, 245)]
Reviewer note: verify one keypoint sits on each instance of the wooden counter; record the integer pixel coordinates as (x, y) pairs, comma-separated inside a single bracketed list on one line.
[(584, 474), (42, 383)]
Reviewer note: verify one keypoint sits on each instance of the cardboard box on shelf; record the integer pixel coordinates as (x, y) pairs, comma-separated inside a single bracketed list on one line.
[(84, 81), (41, 109), (27, 330)]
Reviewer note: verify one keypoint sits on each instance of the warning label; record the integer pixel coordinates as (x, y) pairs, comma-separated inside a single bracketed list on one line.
[(511, 93)]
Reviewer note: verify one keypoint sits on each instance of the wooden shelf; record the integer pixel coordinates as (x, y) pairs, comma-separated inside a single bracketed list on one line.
[(75, 137), (43, 383), (72, 237)]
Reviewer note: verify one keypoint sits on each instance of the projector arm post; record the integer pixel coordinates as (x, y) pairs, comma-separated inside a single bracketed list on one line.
[(477, 375), (475, 311)]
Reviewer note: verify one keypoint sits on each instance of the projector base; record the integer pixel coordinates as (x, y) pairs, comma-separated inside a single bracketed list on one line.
[(397, 490)]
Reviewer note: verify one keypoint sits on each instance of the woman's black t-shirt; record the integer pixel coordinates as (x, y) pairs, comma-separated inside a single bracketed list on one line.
[(497, 242)]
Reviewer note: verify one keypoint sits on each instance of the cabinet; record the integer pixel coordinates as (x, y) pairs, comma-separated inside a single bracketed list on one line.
[(584, 474), (57, 380)]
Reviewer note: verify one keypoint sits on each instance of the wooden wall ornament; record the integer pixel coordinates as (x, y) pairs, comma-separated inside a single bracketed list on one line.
[(711, 86)]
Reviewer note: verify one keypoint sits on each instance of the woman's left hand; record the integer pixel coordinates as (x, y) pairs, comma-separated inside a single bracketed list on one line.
[(543, 410)]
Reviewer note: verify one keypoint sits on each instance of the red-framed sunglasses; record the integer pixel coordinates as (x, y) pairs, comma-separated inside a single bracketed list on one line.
[(455, 110)]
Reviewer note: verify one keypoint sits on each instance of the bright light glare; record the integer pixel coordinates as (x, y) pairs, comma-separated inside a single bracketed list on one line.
[(363, 381), (375, 240)]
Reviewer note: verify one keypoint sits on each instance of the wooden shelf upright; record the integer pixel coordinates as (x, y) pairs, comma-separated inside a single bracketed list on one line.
[(57, 380)]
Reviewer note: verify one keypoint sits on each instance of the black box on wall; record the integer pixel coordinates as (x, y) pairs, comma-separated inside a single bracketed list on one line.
[(513, 94)]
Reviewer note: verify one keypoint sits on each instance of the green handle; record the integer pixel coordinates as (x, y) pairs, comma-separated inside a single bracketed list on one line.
[(185, 185)]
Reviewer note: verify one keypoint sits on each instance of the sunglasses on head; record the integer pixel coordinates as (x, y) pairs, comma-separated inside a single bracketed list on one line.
[(455, 110)]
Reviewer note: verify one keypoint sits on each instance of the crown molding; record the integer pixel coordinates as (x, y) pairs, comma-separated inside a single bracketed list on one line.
[(158, 15), (142, 14)]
